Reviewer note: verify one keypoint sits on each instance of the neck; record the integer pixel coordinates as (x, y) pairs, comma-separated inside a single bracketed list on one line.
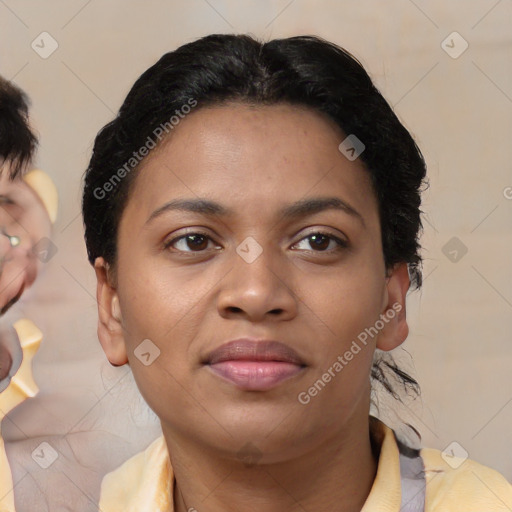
[(335, 476)]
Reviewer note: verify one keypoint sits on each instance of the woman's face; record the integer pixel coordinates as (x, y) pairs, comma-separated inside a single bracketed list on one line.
[(192, 279)]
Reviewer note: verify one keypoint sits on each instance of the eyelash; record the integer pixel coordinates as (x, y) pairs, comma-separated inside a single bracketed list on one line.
[(342, 244)]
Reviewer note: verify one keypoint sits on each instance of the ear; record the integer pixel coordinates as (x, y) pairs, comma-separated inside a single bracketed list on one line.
[(110, 329), (396, 329)]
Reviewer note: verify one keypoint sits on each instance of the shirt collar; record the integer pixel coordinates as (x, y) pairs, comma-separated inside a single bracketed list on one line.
[(146, 482)]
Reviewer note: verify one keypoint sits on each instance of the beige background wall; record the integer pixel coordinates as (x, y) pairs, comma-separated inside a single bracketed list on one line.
[(459, 110)]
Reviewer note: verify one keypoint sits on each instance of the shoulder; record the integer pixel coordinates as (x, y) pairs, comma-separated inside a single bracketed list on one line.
[(142, 481), (453, 483)]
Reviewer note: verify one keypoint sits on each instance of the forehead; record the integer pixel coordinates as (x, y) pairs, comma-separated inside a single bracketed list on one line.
[(252, 158)]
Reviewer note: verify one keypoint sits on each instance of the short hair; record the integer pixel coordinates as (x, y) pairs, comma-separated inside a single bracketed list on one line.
[(18, 143), (301, 70)]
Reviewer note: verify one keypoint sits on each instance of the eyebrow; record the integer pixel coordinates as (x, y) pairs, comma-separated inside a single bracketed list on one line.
[(293, 211)]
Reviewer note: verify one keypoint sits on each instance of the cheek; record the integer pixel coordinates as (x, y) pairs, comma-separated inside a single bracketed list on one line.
[(348, 312), (349, 300), (157, 329), (167, 308), (159, 303), (155, 382)]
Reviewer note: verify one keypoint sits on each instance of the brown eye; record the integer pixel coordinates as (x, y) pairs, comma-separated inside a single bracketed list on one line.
[(191, 242), (323, 242), (320, 242), (196, 242)]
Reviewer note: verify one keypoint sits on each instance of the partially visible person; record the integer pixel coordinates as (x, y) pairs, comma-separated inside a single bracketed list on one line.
[(26, 215), (28, 207), (27, 199)]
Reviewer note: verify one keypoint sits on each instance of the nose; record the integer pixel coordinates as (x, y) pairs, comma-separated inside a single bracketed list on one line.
[(257, 289)]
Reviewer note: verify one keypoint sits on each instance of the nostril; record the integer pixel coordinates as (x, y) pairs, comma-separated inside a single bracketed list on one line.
[(234, 309), (5, 362)]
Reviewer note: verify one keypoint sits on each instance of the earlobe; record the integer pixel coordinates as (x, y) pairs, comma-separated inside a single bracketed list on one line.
[(396, 329), (110, 329)]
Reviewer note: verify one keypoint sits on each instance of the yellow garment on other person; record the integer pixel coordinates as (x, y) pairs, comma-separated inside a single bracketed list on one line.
[(144, 483), (22, 386)]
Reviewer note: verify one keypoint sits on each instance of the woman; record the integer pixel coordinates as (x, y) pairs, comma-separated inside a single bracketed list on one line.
[(252, 216)]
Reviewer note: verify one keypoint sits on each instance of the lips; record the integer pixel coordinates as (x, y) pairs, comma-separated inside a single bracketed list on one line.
[(254, 365)]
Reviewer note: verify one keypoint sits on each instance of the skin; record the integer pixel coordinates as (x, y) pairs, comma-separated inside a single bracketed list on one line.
[(23, 215), (254, 160)]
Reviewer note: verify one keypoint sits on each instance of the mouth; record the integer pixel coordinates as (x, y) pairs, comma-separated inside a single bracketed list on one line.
[(255, 365)]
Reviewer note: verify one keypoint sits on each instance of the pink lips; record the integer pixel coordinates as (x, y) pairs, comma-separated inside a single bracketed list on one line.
[(255, 365)]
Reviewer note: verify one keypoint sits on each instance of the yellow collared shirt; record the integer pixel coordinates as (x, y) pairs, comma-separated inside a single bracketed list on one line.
[(144, 483)]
